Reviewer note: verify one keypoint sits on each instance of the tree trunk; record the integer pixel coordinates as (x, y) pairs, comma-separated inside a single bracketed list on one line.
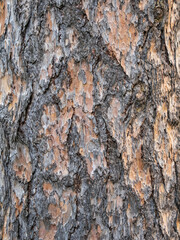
[(89, 119)]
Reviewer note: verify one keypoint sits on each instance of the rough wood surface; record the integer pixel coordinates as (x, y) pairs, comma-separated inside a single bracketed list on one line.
[(89, 119)]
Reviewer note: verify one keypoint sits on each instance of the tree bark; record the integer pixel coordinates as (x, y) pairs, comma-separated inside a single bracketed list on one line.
[(89, 119)]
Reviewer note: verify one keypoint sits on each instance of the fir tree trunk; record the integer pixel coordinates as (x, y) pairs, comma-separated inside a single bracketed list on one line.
[(89, 119)]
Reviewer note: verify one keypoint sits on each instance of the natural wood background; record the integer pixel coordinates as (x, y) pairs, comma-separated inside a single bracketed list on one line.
[(89, 119)]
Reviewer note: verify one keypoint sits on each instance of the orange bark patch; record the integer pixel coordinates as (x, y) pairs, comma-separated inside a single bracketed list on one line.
[(62, 210), (78, 87), (65, 204), (129, 212), (178, 223), (22, 164), (139, 176), (47, 188), (127, 154), (85, 127), (162, 195), (137, 126), (50, 70), (172, 34), (5, 87), (3, 15), (47, 234), (49, 20), (165, 221), (165, 145), (18, 205), (82, 91), (16, 90), (52, 47), (178, 52), (11, 85), (71, 39), (55, 213), (120, 35), (56, 129), (153, 54), (95, 233), (114, 114), (6, 230), (142, 4)]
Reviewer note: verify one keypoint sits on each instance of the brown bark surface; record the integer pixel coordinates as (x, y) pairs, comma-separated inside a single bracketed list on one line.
[(89, 119)]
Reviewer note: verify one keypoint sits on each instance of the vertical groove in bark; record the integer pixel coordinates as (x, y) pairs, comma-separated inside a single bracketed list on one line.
[(89, 119)]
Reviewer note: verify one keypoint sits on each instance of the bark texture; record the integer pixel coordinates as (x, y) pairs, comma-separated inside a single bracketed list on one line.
[(89, 119)]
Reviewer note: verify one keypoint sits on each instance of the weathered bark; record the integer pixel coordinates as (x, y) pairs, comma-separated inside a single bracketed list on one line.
[(89, 119)]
